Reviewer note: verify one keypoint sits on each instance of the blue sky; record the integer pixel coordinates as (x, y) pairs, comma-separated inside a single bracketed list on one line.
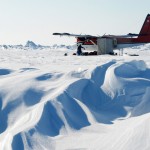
[(36, 20)]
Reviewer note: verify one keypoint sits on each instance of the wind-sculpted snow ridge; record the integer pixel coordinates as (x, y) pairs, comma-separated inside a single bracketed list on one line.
[(128, 85), (52, 110)]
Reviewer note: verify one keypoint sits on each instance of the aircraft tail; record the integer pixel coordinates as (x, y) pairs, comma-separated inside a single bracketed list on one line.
[(145, 30)]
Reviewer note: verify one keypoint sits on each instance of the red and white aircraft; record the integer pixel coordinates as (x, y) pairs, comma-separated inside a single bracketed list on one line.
[(120, 41)]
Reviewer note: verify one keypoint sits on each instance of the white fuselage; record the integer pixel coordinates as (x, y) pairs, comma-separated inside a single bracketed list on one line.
[(90, 47), (119, 46)]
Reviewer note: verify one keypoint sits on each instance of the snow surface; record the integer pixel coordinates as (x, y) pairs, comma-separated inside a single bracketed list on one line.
[(49, 101)]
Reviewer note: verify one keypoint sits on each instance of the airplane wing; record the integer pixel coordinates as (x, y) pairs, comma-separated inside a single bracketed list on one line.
[(120, 36), (91, 36), (75, 35), (133, 34)]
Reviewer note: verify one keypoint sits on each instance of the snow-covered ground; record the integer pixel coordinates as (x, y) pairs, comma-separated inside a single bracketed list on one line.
[(49, 101)]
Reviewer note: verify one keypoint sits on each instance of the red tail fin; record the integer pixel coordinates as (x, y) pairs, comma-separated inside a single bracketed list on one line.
[(146, 27)]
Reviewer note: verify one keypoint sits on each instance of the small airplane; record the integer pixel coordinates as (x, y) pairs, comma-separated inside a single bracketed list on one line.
[(95, 43)]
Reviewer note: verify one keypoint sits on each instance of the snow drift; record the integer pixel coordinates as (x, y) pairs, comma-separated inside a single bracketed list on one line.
[(73, 106)]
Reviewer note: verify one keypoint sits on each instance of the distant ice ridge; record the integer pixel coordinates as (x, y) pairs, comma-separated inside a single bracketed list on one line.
[(31, 45)]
